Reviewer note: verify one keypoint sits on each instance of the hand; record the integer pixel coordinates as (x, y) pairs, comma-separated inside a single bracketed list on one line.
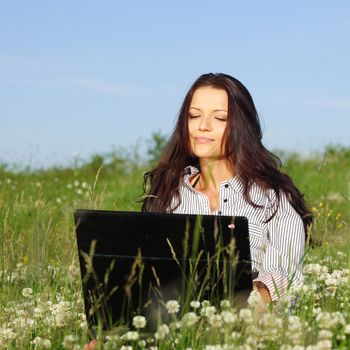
[(263, 291), (265, 294), (265, 298), (91, 345)]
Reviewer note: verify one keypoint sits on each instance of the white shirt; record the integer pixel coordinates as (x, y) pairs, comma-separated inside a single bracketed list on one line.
[(277, 247)]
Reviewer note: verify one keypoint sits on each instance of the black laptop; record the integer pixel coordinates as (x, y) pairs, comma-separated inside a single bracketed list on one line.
[(132, 263)]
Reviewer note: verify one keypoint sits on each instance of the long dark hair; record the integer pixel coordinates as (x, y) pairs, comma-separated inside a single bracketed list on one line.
[(252, 162)]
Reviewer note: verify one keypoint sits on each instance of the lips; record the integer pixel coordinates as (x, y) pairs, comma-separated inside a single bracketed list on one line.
[(203, 140)]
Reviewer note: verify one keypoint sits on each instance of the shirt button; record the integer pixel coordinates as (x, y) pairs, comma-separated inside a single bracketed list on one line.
[(226, 185), (225, 200)]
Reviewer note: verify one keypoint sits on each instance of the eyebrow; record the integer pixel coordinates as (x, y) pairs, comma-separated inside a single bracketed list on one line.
[(215, 110)]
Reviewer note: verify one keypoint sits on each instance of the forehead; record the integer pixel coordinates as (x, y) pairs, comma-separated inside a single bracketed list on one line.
[(209, 98)]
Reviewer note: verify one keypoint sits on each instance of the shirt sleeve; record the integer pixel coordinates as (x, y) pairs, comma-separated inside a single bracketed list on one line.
[(284, 250)]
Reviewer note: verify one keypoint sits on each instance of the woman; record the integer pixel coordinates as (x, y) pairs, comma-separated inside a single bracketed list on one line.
[(215, 163)]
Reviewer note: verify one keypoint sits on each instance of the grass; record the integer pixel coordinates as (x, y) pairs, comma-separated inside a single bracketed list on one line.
[(38, 252)]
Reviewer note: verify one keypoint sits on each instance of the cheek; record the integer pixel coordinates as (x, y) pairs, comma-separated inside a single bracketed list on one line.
[(190, 126), (221, 132), (190, 141)]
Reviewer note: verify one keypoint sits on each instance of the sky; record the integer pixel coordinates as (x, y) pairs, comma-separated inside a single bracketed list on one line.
[(84, 77)]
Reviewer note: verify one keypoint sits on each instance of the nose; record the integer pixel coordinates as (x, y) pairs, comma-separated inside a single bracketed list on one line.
[(204, 124)]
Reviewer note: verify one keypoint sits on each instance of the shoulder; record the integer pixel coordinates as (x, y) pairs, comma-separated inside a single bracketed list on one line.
[(270, 199), (260, 195)]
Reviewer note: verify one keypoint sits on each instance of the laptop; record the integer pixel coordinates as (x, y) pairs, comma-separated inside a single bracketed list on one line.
[(132, 263)]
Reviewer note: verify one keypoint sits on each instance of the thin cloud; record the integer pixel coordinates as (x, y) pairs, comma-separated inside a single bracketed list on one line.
[(303, 99), (101, 87), (107, 88), (342, 102)]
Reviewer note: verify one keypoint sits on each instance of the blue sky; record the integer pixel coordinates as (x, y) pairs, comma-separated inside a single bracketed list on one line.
[(79, 77)]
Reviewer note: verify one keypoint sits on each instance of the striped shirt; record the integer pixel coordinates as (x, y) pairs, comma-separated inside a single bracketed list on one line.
[(277, 247)]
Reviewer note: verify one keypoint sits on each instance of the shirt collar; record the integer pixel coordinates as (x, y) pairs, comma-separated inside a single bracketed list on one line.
[(234, 182)]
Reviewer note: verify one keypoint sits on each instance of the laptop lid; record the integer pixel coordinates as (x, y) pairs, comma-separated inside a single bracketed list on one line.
[(133, 262)]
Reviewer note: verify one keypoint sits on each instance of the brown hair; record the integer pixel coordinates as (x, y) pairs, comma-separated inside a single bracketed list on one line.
[(252, 162)]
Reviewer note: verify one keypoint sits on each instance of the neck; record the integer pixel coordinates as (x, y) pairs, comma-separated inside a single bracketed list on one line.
[(213, 172)]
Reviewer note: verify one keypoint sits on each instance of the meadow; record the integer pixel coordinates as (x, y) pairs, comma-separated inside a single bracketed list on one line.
[(41, 297)]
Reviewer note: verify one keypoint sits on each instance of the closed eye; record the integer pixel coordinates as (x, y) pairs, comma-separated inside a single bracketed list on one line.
[(191, 116)]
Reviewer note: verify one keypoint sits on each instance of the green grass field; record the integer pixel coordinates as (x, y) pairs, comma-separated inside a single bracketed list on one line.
[(40, 295)]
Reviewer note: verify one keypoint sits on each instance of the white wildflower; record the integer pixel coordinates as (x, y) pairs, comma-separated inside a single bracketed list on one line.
[(205, 303), (339, 317), (139, 322), (39, 342), (324, 276), (347, 329), (208, 311), (27, 292), (255, 299), (142, 343), (189, 319), (215, 321), (213, 347), (132, 335), (38, 311), (79, 191), (173, 306), (317, 311), (346, 272), (252, 341), (108, 345), (235, 335), (195, 304), (61, 313), (246, 315), (7, 334), (228, 317), (341, 337), (315, 269), (70, 340), (175, 325), (296, 288), (162, 332), (325, 334), (331, 281), (36, 341), (324, 345), (126, 347), (225, 304), (325, 320), (271, 322)]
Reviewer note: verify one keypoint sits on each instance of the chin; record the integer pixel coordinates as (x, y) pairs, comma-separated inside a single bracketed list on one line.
[(205, 152), (207, 156)]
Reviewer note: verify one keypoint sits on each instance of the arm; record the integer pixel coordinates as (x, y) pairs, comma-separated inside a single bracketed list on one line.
[(282, 261)]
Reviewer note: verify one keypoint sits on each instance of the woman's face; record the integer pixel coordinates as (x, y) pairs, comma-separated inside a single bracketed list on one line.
[(208, 113)]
